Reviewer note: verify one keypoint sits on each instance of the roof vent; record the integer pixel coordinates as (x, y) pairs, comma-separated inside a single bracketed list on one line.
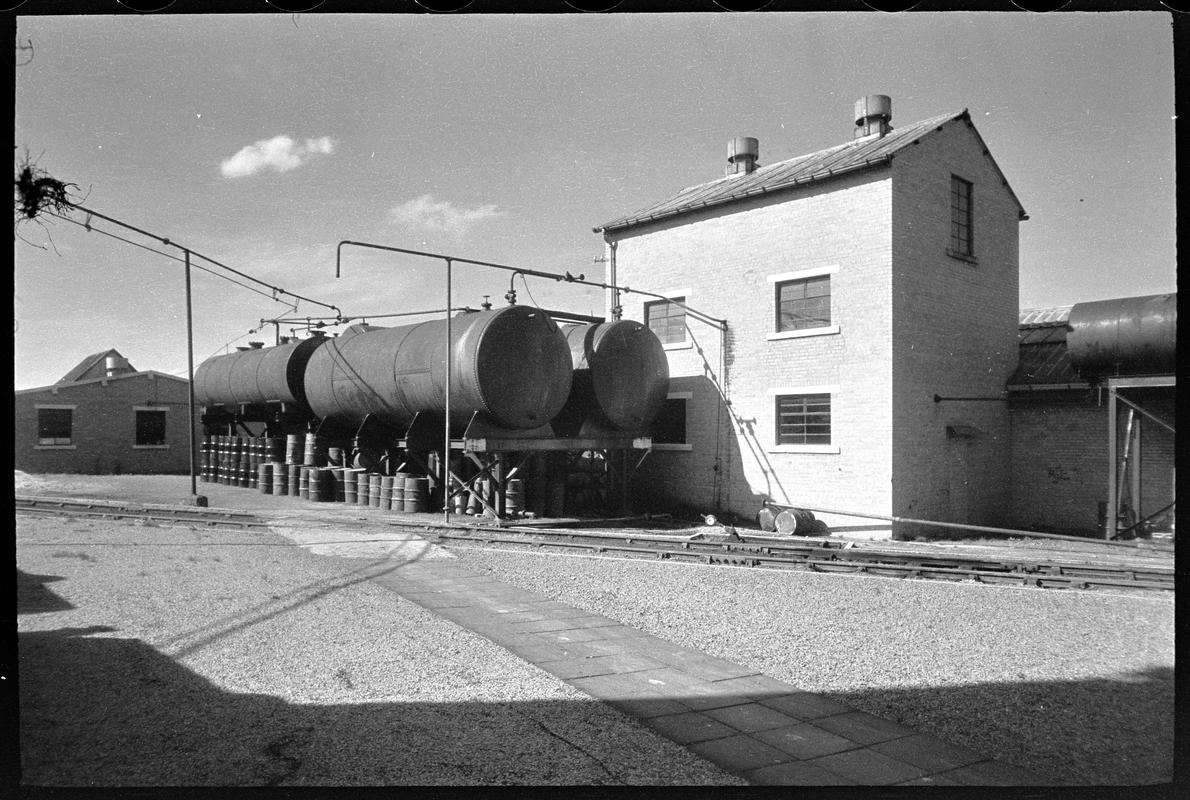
[(256, 345), (873, 115), (742, 153), (116, 365)]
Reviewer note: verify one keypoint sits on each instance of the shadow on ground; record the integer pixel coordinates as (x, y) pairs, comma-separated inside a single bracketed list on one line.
[(110, 711)]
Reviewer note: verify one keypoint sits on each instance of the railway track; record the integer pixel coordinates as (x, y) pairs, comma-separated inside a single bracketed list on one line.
[(831, 557), (1150, 574), (100, 509)]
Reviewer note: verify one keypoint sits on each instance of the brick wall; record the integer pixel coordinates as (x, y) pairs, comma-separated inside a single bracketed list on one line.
[(722, 261), (104, 427), (1060, 459), (954, 334)]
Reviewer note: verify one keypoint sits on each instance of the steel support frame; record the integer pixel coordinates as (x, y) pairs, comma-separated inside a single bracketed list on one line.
[(1111, 528)]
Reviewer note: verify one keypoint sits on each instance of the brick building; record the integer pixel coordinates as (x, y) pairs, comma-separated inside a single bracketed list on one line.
[(1061, 410), (104, 416), (858, 284)]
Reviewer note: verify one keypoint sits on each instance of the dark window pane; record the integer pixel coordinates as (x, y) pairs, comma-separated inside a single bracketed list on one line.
[(670, 425), (667, 320), (150, 427), (54, 425)]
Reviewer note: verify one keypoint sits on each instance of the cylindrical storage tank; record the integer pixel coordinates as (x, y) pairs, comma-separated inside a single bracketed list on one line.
[(264, 477), (511, 364), (621, 374), (280, 478), (268, 375), (417, 493), (1128, 336), (794, 520)]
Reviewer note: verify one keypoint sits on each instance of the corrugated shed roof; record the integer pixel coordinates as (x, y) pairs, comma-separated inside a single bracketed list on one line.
[(855, 155), (1043, 357), (86, 364), (1045, 316)]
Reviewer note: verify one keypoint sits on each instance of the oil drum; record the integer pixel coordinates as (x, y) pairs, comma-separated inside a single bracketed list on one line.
[(417, 492), (514, 496), (264, 477), (794, 521), (280, 478), (767, 519)]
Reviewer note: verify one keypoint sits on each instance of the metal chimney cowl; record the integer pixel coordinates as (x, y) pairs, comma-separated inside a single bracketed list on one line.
[(742, 153), (873, 115)]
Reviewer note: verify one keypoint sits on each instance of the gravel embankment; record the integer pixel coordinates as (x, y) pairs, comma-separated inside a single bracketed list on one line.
[(173, 656), (1074, 685)]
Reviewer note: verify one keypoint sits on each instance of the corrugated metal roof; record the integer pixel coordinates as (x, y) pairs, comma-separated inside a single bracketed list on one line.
[(1043, 358), (855, 155), (1046, 316), (86, 364)]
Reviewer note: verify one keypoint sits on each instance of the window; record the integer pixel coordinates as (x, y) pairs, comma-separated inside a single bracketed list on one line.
[(150, 427), (54, 426), (803, 419), (962, 238), (804, 304), (670, 425), (667, 320)]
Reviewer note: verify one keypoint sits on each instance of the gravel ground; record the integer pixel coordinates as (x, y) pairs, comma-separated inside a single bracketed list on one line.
[(1074, 685), (173, 656)]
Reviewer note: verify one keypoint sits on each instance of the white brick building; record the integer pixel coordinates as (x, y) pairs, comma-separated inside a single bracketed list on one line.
[(856, 283)]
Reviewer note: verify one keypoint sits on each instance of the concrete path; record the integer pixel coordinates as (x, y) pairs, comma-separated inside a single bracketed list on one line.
[(765, 730)]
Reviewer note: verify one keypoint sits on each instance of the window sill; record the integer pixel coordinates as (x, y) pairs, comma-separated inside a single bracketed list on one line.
[(804, 448), (55, 447), (826, 331), (150, 447), (677, 346), (680, 448), (972, 260)]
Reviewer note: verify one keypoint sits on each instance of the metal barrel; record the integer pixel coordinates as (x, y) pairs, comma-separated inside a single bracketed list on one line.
[(363, 488), (417, 493), (315, 455), (334, 456), (374, 490), (275, 448), (386, 493), (280, 478), (294, 472), (293, 449), (264, 477), (514, 496), (350, 482), (304, 482), (473, 505), (338, 482), (794, 520), (767, 519), (399, 479), (459, 502), (317, 484)]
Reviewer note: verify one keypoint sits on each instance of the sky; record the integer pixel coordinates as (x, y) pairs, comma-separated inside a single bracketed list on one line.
[(262, 141)]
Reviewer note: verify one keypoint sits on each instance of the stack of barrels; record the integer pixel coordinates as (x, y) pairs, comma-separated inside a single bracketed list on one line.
[(310, 467)]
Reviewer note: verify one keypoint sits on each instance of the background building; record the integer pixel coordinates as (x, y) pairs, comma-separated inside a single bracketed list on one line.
[(104, 416), (870, 292)]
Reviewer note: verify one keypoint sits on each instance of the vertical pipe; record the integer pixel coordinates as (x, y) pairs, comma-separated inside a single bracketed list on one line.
[(190, 376), (445, 461), (1109, 526), (615, 311), (1134, 475)]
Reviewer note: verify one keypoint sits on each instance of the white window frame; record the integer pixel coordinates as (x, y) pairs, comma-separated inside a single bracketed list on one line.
[(71, 409), (801, 274), (136, 446), (827, 449), (670, 295), (686, 446)]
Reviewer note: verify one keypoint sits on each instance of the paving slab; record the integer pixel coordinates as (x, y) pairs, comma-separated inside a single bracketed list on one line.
[(768, 731)]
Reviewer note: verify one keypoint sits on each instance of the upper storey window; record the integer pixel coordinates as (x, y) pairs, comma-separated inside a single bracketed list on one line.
[(804, 304), (667, 319), (962, 234)]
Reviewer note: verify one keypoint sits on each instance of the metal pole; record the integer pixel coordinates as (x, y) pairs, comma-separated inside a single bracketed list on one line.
[(445, 460), (1113, 508), (190, 375)]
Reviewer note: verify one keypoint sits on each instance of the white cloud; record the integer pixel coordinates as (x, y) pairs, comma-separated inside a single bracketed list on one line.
[(441, 215), (280, 153)]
